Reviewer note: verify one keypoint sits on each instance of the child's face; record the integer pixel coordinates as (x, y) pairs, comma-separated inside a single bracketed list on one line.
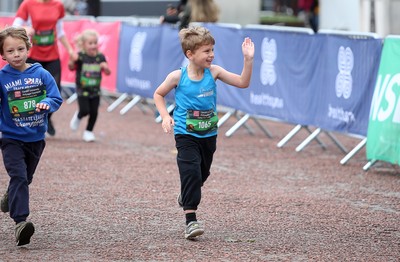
[(90, 45), (15, 52), (203, 56)]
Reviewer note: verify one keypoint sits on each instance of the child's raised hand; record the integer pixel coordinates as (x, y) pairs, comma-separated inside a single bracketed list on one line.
[(42, 106), (248, 48)]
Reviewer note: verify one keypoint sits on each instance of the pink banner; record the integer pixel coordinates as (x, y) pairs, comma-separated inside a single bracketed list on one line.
[(108, 45), (4, 22)]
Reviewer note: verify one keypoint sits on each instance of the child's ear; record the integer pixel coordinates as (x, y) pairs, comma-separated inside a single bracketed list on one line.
[(189, 54), (2, 57)]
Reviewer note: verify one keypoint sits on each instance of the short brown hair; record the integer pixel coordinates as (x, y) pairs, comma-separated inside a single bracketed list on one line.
[(194, 37), (14, 32)]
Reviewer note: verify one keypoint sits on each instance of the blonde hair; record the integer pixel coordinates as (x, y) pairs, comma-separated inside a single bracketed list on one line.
[(14, 32), (193, 37), (204, 11), (82, 37)]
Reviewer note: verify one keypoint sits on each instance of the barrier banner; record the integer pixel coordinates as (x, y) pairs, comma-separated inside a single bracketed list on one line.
[(345, 77), (138, 60), (383, 141), (108, 45), (281, 84), (228, 54), (170, 58), (6, 21)]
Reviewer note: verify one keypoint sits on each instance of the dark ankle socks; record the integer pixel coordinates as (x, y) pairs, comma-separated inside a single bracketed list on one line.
[(190, 217)]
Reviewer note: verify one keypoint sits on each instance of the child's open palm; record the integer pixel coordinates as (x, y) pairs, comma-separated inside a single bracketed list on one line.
[(248, 48)]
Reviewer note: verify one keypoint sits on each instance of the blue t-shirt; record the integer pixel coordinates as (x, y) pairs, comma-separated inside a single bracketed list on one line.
[(195, 112)]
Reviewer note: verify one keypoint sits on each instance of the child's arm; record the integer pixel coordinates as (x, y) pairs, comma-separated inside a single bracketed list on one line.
[(64, 41), (242, 80), (170, 82), (53, 99), (71, 63), (105, 68)]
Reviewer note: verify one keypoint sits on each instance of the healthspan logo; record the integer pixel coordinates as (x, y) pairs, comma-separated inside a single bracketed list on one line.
[(267, 76), (343, 85), (136, 63), (268, 55), (135, 56), (344, 80)]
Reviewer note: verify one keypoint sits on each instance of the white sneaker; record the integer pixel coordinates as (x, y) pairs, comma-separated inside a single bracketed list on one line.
[(88, 136), (193, 230), (75, 121)]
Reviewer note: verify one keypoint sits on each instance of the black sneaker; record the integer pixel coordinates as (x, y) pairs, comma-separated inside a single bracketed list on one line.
[(4, 203), (50, 128), (23, 233)]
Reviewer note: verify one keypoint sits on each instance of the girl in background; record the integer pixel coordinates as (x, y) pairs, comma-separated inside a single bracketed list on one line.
[(89, 65)]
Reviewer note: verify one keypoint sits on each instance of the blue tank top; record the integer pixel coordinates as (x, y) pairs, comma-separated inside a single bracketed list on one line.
[(195, 112)]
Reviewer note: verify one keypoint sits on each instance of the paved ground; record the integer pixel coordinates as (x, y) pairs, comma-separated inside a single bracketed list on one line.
[(115, 200)]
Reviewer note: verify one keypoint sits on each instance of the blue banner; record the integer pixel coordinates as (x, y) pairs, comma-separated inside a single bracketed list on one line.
[(171, 56), (346, 77), (138, 60), (282, 71), (320, 80), (228, 54)]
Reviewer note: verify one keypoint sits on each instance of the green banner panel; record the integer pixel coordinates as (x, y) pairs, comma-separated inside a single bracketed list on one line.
[(383, 137)]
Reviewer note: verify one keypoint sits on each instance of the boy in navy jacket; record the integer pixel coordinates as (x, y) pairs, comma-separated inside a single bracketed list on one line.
[(27, 93)]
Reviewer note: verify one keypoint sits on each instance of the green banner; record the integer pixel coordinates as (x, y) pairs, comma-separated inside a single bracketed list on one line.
[(383, 137)]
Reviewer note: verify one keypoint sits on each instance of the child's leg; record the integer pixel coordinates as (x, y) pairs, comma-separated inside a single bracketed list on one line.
[(94, 104), (189, 160), (84, 106), (189, 165), (18, 191), (33, 151), (208, 147)]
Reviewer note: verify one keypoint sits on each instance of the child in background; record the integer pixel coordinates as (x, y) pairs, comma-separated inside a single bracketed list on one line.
[(89, 66), (28, 93), (195, 116)]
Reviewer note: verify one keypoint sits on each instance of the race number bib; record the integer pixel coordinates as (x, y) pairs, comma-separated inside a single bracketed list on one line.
[(23, 102), (43, 38), (91, 75), (201, 121), (90, 81)]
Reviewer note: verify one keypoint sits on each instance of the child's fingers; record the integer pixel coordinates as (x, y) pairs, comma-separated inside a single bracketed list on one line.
[(42, 106)]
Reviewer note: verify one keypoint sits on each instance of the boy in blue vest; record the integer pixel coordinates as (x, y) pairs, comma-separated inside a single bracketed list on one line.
[(195, 116)]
